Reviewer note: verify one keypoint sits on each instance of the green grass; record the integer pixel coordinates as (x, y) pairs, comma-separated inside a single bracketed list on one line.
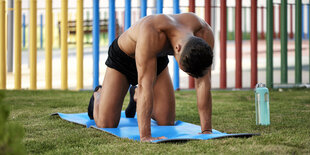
[(233, 112)]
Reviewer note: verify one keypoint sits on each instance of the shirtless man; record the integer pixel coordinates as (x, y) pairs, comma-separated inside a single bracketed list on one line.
[(139, 56)]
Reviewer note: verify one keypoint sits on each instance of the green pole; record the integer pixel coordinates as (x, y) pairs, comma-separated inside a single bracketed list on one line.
[(283, 41), (309, 38), (298, 42), (269, 42)]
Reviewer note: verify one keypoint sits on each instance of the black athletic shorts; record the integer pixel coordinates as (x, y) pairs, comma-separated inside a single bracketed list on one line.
[(120, 61)]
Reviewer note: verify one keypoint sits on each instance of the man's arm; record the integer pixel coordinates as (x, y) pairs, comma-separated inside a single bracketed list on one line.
[(148, 43), (204, 102), (203, 86)]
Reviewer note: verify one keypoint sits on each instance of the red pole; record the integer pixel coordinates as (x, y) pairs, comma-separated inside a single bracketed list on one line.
[(192, 6), (253, 43), (191, 81), (208, 11), (262, 34), (223, 35), (238, 39), (291, 14), (279, 34)]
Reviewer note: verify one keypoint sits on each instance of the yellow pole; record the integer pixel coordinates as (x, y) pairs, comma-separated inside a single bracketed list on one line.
[(49, 44), (2, 46), (64, 45), (33, 44), (79, 44), (6, 39), (17, 42)]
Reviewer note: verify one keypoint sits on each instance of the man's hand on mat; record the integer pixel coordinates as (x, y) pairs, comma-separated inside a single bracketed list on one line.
[(208, 131), (148, 139)]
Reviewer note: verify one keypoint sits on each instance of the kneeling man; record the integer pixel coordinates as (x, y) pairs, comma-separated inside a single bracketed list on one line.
[(140, 57)]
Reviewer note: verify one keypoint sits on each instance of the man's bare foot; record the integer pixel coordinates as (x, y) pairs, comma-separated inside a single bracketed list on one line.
[(131, 109), (94, 99), (97, 95)]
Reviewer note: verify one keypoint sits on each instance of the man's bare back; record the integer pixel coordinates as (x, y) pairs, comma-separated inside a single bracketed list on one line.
[(164, 26)]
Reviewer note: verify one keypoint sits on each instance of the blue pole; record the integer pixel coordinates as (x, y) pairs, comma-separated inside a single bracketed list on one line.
[(95, 43), (159, 7), (143, 8), (41, 31), (302, 22), (308, 20), (127, 14), (111, 28), (24, 32), (176, 83)]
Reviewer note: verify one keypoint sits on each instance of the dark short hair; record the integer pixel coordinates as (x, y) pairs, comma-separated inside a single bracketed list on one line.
[(91, 104), (196, 57)]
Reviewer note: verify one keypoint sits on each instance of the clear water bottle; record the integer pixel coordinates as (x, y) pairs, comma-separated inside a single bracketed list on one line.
[(262, 104)]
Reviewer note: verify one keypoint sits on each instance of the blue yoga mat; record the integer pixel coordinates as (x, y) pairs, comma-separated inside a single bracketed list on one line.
[(128, 128)]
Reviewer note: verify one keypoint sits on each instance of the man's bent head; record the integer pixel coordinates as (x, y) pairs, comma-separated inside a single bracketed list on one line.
[(196, 57)]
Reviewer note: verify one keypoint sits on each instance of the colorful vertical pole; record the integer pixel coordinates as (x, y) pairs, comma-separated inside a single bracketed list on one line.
[(2, 46), (127, 14), (176, 83), (96, 43), (191, 81), (41, 31), (64, 45), (308, 14), (24, 30), (238, 41), (48, 43), (283, 41), (291, 23), (143, 8), (269, 42), (297, 41), (253, 43), (159, 7), (208, 11), (10, 27), (79, 44), (223, 36), (17, 43), (111, 26), (262, 34), (33, 44)]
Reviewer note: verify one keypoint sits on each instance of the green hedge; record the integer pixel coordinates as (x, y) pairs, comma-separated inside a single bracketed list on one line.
[(10, 134)]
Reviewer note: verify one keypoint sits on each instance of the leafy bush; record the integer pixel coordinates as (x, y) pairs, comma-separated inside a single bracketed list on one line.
[(10, 134)]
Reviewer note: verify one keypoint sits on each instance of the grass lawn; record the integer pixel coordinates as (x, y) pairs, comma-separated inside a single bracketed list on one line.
[(233, 112)]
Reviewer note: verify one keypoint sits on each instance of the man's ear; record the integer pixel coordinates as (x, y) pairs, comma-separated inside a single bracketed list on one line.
[(178, 48)]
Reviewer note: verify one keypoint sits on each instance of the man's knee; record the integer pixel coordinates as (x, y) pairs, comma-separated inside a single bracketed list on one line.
[(165, 121), (107, 124)]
